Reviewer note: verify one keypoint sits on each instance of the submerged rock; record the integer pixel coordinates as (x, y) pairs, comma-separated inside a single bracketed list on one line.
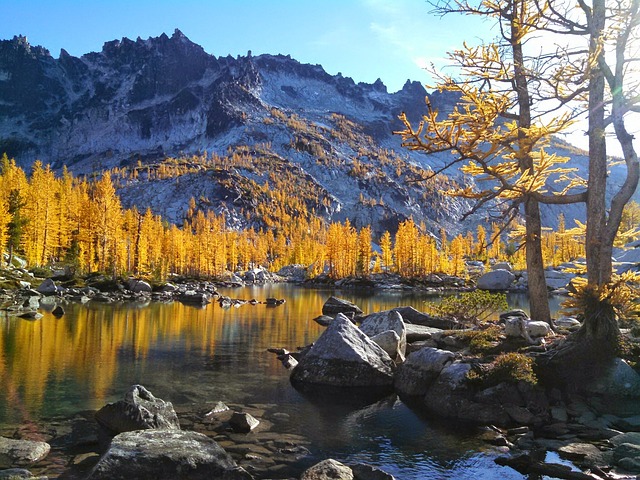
[(138, 411), (20, 453), (166, 454), (344, 356)]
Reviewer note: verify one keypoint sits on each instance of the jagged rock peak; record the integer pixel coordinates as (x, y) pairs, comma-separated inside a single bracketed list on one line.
[(177, 41), (21, 42)]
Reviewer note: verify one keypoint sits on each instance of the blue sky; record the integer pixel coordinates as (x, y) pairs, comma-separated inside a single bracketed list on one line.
[(362, 39)]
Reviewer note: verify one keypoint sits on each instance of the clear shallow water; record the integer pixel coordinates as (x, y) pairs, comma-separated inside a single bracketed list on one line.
[(95, 352)]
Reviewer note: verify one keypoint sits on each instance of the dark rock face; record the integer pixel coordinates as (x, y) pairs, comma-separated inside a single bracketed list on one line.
[(344, 356), (139, 410), (142, 91), (335, 305), (166, 454)]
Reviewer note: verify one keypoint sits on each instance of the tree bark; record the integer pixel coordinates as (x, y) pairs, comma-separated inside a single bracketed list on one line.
[(538, 295), (597, 263)]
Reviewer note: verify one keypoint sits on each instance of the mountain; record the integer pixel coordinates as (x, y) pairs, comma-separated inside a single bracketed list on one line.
[(242, 129)]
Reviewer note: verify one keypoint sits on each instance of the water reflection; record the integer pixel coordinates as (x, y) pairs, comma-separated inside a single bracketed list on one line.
[(90, 356)]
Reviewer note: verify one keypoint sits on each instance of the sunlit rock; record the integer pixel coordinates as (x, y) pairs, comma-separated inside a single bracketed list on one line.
[(344, 356), (139, 410), (166, 454)]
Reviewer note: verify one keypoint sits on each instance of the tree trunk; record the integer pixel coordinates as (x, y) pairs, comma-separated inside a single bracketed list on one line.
[(597, 274), (538, 295)]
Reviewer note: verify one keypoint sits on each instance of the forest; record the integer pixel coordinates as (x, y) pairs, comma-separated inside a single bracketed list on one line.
[(80, 222)]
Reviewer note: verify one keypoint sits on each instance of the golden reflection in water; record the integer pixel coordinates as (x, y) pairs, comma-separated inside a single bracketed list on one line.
[(92, 354), (88, 349)]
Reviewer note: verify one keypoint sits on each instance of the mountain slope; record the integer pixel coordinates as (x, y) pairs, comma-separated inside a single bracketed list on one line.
[(258, 131)]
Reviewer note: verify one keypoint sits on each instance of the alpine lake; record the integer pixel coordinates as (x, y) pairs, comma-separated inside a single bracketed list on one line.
[(52, 369)]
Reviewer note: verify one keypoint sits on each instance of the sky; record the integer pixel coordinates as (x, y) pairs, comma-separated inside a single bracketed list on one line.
[(363, 39)]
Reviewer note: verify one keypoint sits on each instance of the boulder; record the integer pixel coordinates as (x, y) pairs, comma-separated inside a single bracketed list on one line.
[(58, 311), (389, 341), (567, 322), (538, 329), (411, 315), (47, 287), (502, 266), (557, 279), (362, 471), (628, 437), (375, 324), (619, 380), (18, 474), (344, 356), (420, 369), (243, 422), (192, 297), (626, 450), (416, 333), (20, 453), (328, 470), (336, 305), (166, 454), (496, 280), (138, 286), (139, 410), (168, 288), (323, 320)]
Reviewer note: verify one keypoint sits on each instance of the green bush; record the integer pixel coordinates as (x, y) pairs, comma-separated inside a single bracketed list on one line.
[(508, 367), (470, 307), (482, 341)]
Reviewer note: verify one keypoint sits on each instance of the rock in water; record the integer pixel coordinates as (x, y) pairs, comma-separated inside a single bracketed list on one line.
[(139, 410), (20, 453), (47, 287), (336, 305), (328, 470), (243, 422), (166, 454), (344, 356), (421, 368)]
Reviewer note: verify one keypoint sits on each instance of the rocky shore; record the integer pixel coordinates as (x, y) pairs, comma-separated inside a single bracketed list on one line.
[(437, 368), (431, 363)]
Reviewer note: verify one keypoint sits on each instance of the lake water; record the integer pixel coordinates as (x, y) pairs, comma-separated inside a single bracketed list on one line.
[(53, 368)]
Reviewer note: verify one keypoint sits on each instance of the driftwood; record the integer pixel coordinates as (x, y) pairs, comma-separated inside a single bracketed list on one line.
[(525, 464)]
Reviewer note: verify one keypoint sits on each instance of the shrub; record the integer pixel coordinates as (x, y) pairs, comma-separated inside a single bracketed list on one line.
[(482, 341), (470, 307), (508, 367)]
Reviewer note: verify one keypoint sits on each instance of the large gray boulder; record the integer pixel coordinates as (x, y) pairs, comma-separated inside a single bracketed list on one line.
[(619, 380), (329, 469), (558, 279), (20, 453), (166, 454), (139, 410), (496, 280), (411, 315), (138, 286), (378, 323), (344, 356), (335, 305), (420, 369), (47, 287)]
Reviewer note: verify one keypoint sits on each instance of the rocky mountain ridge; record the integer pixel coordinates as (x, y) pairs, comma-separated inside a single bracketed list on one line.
[(136, 103)]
